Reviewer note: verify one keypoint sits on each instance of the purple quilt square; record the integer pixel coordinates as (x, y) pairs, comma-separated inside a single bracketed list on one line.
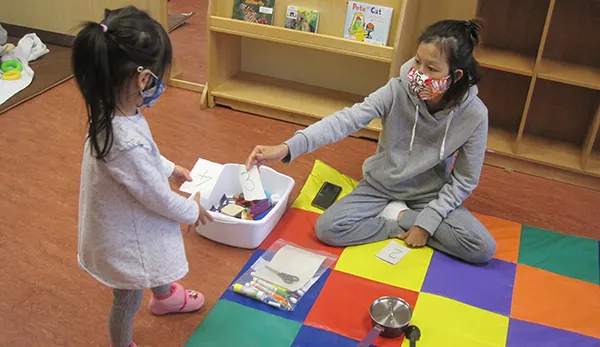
[(527, 334), (487, 286), (311, 337), (300, 311)]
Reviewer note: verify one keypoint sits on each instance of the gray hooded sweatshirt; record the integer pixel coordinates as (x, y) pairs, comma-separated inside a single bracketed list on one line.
[(415, 151)]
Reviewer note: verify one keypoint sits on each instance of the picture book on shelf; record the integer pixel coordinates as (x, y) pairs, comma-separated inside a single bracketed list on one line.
[(254, 11), (302, 18), (368, 23)]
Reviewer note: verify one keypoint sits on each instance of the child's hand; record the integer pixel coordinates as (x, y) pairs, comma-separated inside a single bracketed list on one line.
[(180, 175), (203, 217), (263, 154), (415, 237)]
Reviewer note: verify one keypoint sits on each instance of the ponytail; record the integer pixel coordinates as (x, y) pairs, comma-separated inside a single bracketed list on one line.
[(91, 68), (105, 59)]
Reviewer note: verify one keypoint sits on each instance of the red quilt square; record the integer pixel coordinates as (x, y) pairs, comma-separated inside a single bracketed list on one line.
[(343, 306), (298, 226)]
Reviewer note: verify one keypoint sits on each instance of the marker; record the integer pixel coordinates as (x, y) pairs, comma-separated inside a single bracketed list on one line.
[(268, 298), (271, 293), (279, 290), (273, 288), (255, 294)]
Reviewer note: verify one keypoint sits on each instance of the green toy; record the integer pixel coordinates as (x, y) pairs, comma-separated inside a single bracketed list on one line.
[(11, 65)]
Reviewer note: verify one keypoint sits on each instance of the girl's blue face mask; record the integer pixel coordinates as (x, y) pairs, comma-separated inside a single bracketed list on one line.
[(151, 94)]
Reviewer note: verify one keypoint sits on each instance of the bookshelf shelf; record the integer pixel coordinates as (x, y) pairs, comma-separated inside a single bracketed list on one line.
[(577, 75), (287, 97), (555, 153), (501, 141), (302, 39), (505, 60), (594, 164)]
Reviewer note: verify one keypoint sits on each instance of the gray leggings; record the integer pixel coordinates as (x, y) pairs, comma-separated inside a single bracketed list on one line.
[(354, 220), (126, 303)]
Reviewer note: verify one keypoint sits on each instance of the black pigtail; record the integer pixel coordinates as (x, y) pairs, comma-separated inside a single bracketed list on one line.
[(91, 69)]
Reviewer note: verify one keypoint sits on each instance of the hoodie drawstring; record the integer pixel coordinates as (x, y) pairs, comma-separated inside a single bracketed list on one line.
[(412, 137), (443, 147), (414, 131)]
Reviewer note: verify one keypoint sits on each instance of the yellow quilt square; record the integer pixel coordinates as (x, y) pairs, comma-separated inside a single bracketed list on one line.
[(408, 273), (449, 323), (320, 174)]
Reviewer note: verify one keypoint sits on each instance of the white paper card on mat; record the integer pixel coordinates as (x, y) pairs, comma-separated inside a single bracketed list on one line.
[(259, 264), (292, 261), (204, 177), (252, 184), (393, 252)]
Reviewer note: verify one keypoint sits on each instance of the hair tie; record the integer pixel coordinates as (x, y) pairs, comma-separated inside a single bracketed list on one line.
[(104, 27)]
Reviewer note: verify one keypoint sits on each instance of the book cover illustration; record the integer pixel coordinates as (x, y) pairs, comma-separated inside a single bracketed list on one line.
[(254, 11), (302, 18), (368, 23)]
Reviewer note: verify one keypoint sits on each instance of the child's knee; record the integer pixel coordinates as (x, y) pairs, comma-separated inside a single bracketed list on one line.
[(326, 230), (484, 252)]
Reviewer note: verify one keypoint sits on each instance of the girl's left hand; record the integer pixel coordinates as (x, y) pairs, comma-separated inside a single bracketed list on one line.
[(180, 175), (415, 237)]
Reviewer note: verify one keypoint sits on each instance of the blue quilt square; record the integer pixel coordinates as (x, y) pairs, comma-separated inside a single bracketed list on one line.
[(300, 311)]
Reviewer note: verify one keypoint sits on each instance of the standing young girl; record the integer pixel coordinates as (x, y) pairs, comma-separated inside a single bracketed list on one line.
[(129, 218), (412, 187)]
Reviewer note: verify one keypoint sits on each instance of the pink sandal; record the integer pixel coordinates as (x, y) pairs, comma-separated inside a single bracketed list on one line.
[(178, 301)]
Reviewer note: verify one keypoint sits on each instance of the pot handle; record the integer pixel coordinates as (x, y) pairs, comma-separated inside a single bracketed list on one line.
[(371, 336)]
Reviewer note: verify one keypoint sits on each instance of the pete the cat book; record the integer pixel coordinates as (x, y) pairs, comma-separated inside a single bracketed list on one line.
[(302, 18), (368, 23), (254, 11)]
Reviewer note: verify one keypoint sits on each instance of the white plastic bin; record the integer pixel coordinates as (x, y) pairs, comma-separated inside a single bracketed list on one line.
[(239, 232)]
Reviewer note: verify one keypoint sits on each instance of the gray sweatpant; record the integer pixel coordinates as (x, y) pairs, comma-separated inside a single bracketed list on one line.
[(354, 220)]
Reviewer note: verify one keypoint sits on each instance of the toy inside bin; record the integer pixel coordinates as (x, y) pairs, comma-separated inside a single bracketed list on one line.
[(240, 232)]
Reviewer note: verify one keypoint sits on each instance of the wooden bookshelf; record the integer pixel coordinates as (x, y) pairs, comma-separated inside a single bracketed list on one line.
[(505, 60), (301, 39), (501, 141), (594, 164), (540, 59), (286, 98), (558, 154), (577, 75)]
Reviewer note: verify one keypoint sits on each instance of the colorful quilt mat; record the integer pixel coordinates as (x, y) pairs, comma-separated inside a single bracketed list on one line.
[(541, 289)]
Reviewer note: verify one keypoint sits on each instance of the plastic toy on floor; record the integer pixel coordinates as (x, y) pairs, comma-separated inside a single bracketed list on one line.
[(11, 70)]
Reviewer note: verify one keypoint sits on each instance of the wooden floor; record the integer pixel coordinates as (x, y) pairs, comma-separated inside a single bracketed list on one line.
[(189, 40), (45, 300)]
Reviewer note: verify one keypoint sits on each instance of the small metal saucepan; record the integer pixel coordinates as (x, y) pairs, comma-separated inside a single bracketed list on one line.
[(390, 317)]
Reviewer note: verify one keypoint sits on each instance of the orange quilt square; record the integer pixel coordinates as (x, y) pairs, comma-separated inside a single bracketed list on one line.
[(298, 226), (557, 301), (507, 235), (343, 306)]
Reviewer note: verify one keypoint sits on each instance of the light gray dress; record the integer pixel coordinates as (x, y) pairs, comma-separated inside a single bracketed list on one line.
[(129, 218)]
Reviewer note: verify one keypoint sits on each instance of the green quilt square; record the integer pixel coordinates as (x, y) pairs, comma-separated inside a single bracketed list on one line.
[(232, 324), (566, 255)]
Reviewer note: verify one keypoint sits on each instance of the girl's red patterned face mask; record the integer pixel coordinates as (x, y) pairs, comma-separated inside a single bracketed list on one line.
[(424, 86)]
